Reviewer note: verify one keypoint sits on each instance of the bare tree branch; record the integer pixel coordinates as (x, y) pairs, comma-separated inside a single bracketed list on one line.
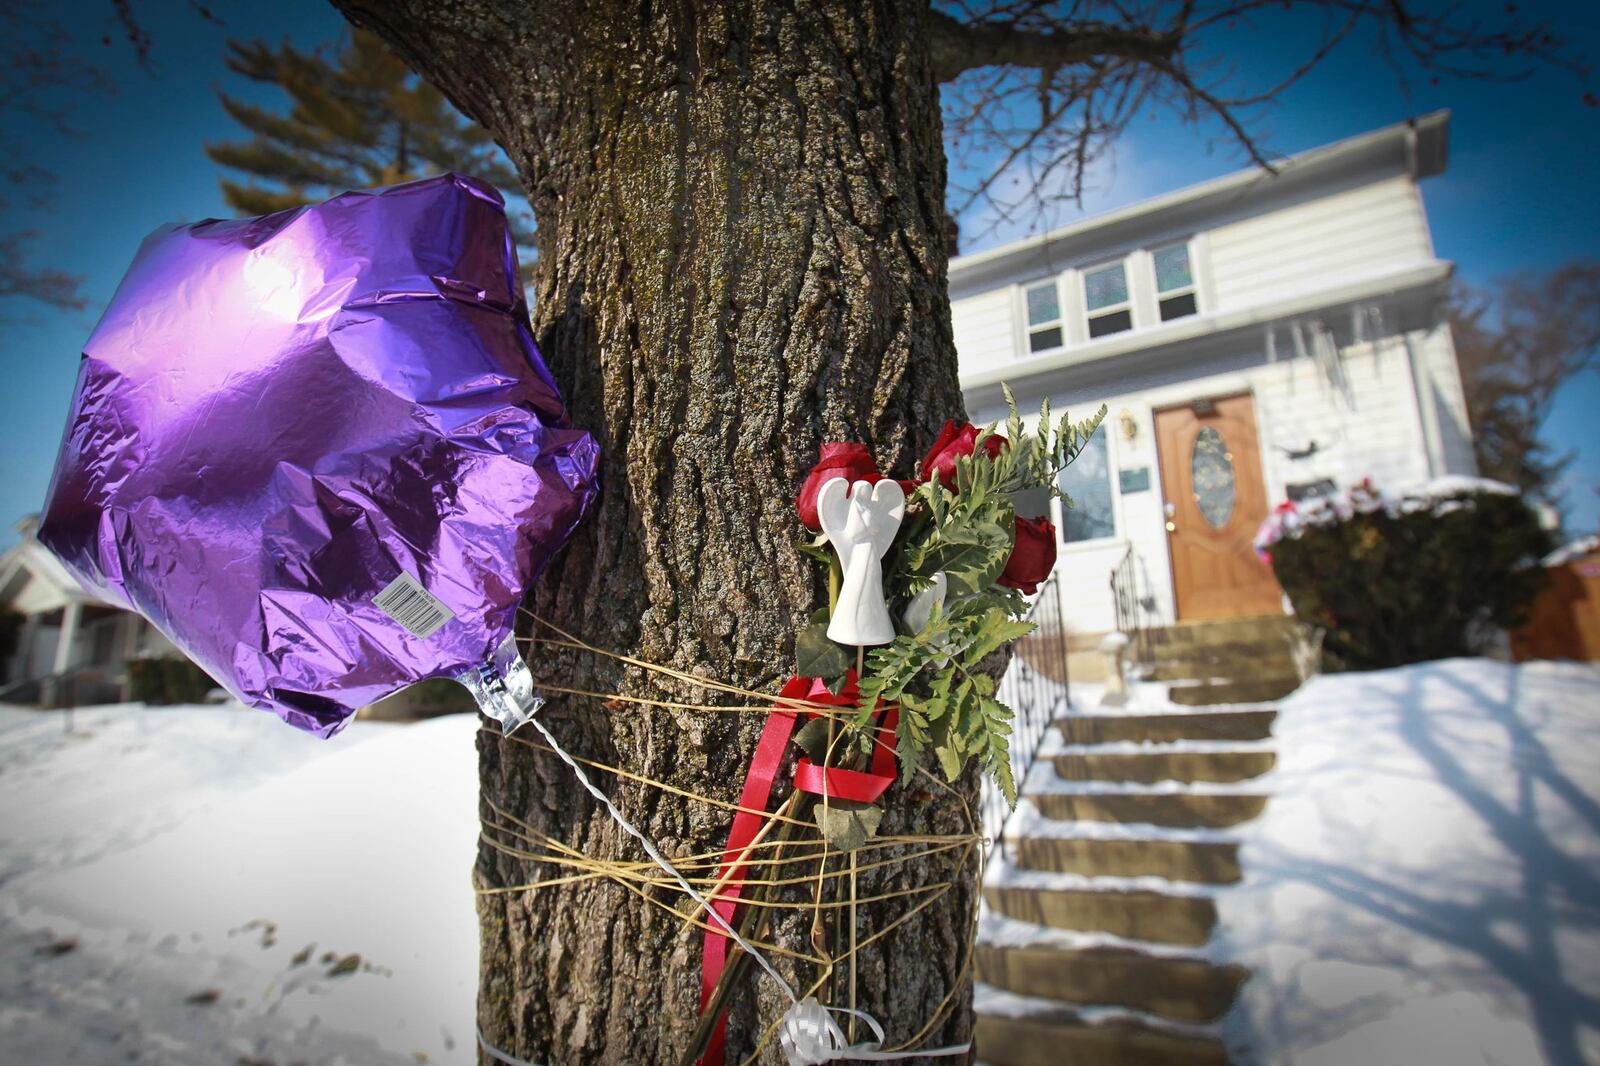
[(1037, 90), (957, 47)]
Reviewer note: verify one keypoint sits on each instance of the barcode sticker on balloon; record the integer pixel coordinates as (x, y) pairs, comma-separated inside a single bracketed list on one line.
[(407, 602)]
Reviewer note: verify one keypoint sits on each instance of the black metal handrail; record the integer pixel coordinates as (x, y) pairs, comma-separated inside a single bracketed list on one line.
[(1035, 688), (1129, 607), (64, 691), (63, 687)]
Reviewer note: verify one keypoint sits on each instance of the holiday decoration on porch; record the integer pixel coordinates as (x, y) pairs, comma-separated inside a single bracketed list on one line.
[(319, 450)]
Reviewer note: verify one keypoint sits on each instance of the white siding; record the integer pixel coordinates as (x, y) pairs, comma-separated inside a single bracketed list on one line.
[(1369, 230), (1376, 433), (985, 329), (1399, 419), (37, 596), (1442, 377)]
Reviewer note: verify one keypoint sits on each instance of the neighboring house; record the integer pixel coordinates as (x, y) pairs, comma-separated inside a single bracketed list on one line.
[(71, 647), (1257, 337)]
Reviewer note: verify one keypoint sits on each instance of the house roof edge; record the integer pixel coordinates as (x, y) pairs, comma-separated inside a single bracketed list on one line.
[(1424, 141)]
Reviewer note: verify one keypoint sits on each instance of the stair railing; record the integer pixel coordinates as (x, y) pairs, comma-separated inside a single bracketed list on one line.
[(1129, 608), (64, 691), (1035, 688)]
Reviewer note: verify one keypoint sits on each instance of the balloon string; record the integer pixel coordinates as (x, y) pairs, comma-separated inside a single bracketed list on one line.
[(498, 1055), (660, 860), (808, 1034)]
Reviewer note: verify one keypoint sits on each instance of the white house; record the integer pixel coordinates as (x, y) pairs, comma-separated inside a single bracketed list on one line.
[(1258, 337), (70, 647)]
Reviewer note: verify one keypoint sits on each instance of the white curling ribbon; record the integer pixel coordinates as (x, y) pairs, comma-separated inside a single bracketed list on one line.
[(861, 521), (810, 1037)]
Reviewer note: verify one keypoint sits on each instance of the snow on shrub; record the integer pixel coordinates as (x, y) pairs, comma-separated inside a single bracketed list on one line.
[(1406, 577)]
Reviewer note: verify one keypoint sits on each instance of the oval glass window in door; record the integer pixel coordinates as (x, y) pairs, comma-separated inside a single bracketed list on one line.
[(1211, 469)]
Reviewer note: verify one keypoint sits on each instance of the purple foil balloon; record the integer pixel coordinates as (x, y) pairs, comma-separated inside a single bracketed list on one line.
[(319, 450)]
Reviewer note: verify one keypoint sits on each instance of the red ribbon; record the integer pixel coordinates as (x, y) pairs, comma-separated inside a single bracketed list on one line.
[(831, 782), (838, 783)]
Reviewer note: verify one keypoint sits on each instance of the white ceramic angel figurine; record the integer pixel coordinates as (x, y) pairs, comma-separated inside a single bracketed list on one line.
[(861, 522)]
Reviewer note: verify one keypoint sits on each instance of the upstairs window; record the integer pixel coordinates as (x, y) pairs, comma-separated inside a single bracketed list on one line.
[(1175, 292), (1044, 317), (1105, 291)]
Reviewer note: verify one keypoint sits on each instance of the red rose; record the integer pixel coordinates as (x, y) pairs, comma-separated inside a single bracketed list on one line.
[(844, 459), (951, 445), (1033, 555)]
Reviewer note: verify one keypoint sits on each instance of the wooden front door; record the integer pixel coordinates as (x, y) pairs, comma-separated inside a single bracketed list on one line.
[(1211, 476)]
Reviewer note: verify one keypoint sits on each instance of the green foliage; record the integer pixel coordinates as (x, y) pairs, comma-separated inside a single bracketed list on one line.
[(957, 717), (357, 118), (817, 656), (847, 825), (167, 681), (1405, 585)]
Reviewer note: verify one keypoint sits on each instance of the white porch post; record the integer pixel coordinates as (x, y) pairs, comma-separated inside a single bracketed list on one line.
[(71, 614)]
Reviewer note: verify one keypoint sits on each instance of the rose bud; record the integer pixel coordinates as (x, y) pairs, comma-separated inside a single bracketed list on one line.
[(1033, 555), (953, 443), (845, 459)]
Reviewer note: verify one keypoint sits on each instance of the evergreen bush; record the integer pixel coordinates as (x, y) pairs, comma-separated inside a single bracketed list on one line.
[(1395, 580), (157, 681)]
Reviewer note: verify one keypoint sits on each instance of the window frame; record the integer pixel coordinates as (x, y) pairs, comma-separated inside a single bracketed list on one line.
[(1113, 496), (1059, 323), (1191, 289), (1126, 304)]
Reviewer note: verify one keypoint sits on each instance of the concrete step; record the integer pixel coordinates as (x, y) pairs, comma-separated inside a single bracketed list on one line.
[(1208, 862), (1028, 1041), (1216, 651), (1146, 767), (1136, 915), (1186, 810), (1185, 989), (1158, 728), (1257, 690), (1260, 665), (1081, 641), (1086, 667), (1263, 629)]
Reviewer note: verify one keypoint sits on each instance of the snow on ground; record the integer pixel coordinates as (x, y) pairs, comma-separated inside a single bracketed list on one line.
[(205, 885), (1424, 886)]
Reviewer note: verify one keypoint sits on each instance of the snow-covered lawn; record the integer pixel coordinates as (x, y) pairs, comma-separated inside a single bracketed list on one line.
[(1424, 886), (205, 885)]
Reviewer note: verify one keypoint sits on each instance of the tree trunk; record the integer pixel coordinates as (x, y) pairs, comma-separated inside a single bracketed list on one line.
[(741, 255)]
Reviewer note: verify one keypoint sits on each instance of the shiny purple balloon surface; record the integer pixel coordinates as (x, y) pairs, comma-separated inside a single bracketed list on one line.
[(278, 417)]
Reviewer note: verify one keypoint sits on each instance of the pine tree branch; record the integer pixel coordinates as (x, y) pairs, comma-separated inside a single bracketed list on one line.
[(294, 135), (956, 47), (54, 288), (267, 160)]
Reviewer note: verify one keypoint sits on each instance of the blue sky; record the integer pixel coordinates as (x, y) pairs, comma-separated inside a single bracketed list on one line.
[(1518, 192)]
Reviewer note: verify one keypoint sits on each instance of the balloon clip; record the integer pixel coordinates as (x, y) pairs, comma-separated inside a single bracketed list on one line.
[(503, 687)]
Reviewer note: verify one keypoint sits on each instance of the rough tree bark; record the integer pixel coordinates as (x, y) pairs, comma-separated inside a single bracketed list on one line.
[(741, 254)]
